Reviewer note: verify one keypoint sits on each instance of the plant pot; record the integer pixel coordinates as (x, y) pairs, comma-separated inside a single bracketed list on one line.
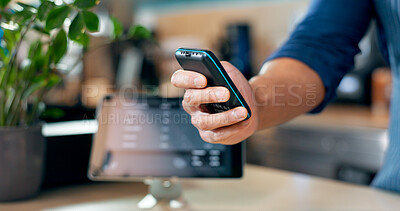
[(21, 162)]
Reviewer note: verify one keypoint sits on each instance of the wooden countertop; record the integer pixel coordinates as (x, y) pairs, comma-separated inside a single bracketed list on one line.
[(260, 189)]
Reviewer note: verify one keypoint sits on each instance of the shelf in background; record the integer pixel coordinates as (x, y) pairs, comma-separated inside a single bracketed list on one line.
[(345, 115)]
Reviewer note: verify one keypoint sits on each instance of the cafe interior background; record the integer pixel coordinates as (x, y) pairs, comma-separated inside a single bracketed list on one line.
[(346, 142)]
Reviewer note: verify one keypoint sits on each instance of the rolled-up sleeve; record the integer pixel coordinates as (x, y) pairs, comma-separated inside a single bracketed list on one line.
[(327, 40)]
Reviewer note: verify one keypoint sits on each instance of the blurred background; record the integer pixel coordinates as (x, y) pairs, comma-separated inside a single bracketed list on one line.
[(346, 142)]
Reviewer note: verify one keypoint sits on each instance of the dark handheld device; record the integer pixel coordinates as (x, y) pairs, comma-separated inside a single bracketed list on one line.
[(206, 63)]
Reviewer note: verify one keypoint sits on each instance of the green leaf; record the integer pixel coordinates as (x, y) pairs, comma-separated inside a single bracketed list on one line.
[(33, 88), (39, 63), (53, 113), (4, 55), (44, 9), (40, 29), (35, 50), (53, 80), (10, 37), (22, 17), (59, 47), (86, 4), (39, 78), (83, 40), (139, 32), (6, 15), (118, 28), (91, 21), (56, 17), (36, 56), (4, 3), (77, 27), (27, 6)]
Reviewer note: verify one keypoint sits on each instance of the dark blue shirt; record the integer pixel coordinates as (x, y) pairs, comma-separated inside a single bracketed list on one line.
[(327, 41)]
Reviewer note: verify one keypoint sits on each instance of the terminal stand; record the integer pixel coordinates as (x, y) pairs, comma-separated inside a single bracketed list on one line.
[(169, 190)]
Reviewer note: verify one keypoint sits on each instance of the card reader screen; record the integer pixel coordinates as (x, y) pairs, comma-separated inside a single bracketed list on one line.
[(151, 136)]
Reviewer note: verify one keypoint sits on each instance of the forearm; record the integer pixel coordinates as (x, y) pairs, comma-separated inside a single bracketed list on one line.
[(284, 89)]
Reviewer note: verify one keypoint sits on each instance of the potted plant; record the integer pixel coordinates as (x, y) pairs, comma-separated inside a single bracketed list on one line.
[(27, 74)]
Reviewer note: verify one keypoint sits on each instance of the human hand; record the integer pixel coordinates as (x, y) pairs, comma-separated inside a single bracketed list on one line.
[(222, 128)]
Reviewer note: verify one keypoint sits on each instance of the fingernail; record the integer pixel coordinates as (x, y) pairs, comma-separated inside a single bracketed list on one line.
[(240, 113), (198, 82)]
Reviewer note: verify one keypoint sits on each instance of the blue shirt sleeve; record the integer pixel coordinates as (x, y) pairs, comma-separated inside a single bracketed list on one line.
[(327, 40)]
